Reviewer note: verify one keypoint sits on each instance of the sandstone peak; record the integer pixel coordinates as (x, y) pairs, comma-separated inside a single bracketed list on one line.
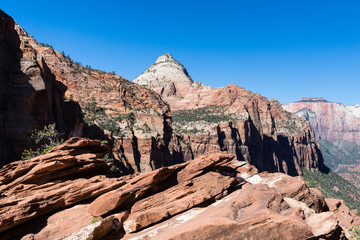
[(165, 72), (166, 58)]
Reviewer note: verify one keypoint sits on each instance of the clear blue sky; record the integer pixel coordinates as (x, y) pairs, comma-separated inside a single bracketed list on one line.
[(281, 49)]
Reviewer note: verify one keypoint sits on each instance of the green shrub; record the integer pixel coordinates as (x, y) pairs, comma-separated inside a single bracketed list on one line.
[(311, 184), (95, 219), (45, 139)]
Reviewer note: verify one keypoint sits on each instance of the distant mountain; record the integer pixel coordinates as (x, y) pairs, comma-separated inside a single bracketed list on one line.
[(337, 129), (330, 121)]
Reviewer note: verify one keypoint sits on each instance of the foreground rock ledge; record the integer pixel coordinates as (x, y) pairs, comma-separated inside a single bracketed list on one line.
[(212, 197), (68, 174)]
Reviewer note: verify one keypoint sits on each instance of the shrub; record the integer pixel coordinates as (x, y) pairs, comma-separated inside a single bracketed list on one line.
[(45, 139), (95, 219), (311, 184)]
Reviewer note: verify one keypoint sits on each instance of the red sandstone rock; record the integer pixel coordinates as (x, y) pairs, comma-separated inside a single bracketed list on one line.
[(95, 231), (346, 217), (241, 215), (53, 181), (324, 225), (203, 164), (296, 188), (176, 199), (122, 198), (264, 135), (65, 222), (265, 205)]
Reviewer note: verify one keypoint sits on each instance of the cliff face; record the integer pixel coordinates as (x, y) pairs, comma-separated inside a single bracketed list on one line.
[(137, 120), (330, 121), (40, 85), (30, 95), (232, 119)]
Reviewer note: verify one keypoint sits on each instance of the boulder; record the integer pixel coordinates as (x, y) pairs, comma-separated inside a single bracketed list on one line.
[(54, 181), (177, 199), (347, 218)]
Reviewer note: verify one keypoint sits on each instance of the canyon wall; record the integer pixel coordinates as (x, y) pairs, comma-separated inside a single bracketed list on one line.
[(30, 95), (233, 120), (330, 121)]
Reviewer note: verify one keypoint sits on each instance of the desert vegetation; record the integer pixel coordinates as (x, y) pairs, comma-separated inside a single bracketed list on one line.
[(332, 185), (45, 140), (199, 120)]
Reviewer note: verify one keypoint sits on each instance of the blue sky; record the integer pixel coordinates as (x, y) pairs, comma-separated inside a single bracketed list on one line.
[(281, 49)]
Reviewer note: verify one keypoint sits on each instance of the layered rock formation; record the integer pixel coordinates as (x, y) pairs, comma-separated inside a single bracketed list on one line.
[(330, 121), (65, 196), (231, 119), (30, 95), (135, 115), (34, 80)]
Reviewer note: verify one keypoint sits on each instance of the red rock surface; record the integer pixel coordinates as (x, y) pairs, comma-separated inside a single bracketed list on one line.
[(214, 196), (329, 120), (347, 218), (63, 177)]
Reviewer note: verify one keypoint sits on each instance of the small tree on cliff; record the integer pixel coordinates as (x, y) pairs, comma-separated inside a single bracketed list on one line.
[(45, 139)]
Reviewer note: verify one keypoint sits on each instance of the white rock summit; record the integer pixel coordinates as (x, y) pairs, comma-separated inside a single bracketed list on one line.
[(166, 76)]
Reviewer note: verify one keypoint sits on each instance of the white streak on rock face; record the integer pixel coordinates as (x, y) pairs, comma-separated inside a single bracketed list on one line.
[(129, 226), (152, 233), (245, 175), (255, 179), (239, 163), (189, 215), (178, 220), (354, 109), (272, 183), (295, 203)]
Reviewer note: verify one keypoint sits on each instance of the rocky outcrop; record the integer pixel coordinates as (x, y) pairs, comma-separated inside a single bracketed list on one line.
[(30, 95), (329, 121), (214, 196), (346, 217), (233, 120), (68, 174), (265, 205)]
